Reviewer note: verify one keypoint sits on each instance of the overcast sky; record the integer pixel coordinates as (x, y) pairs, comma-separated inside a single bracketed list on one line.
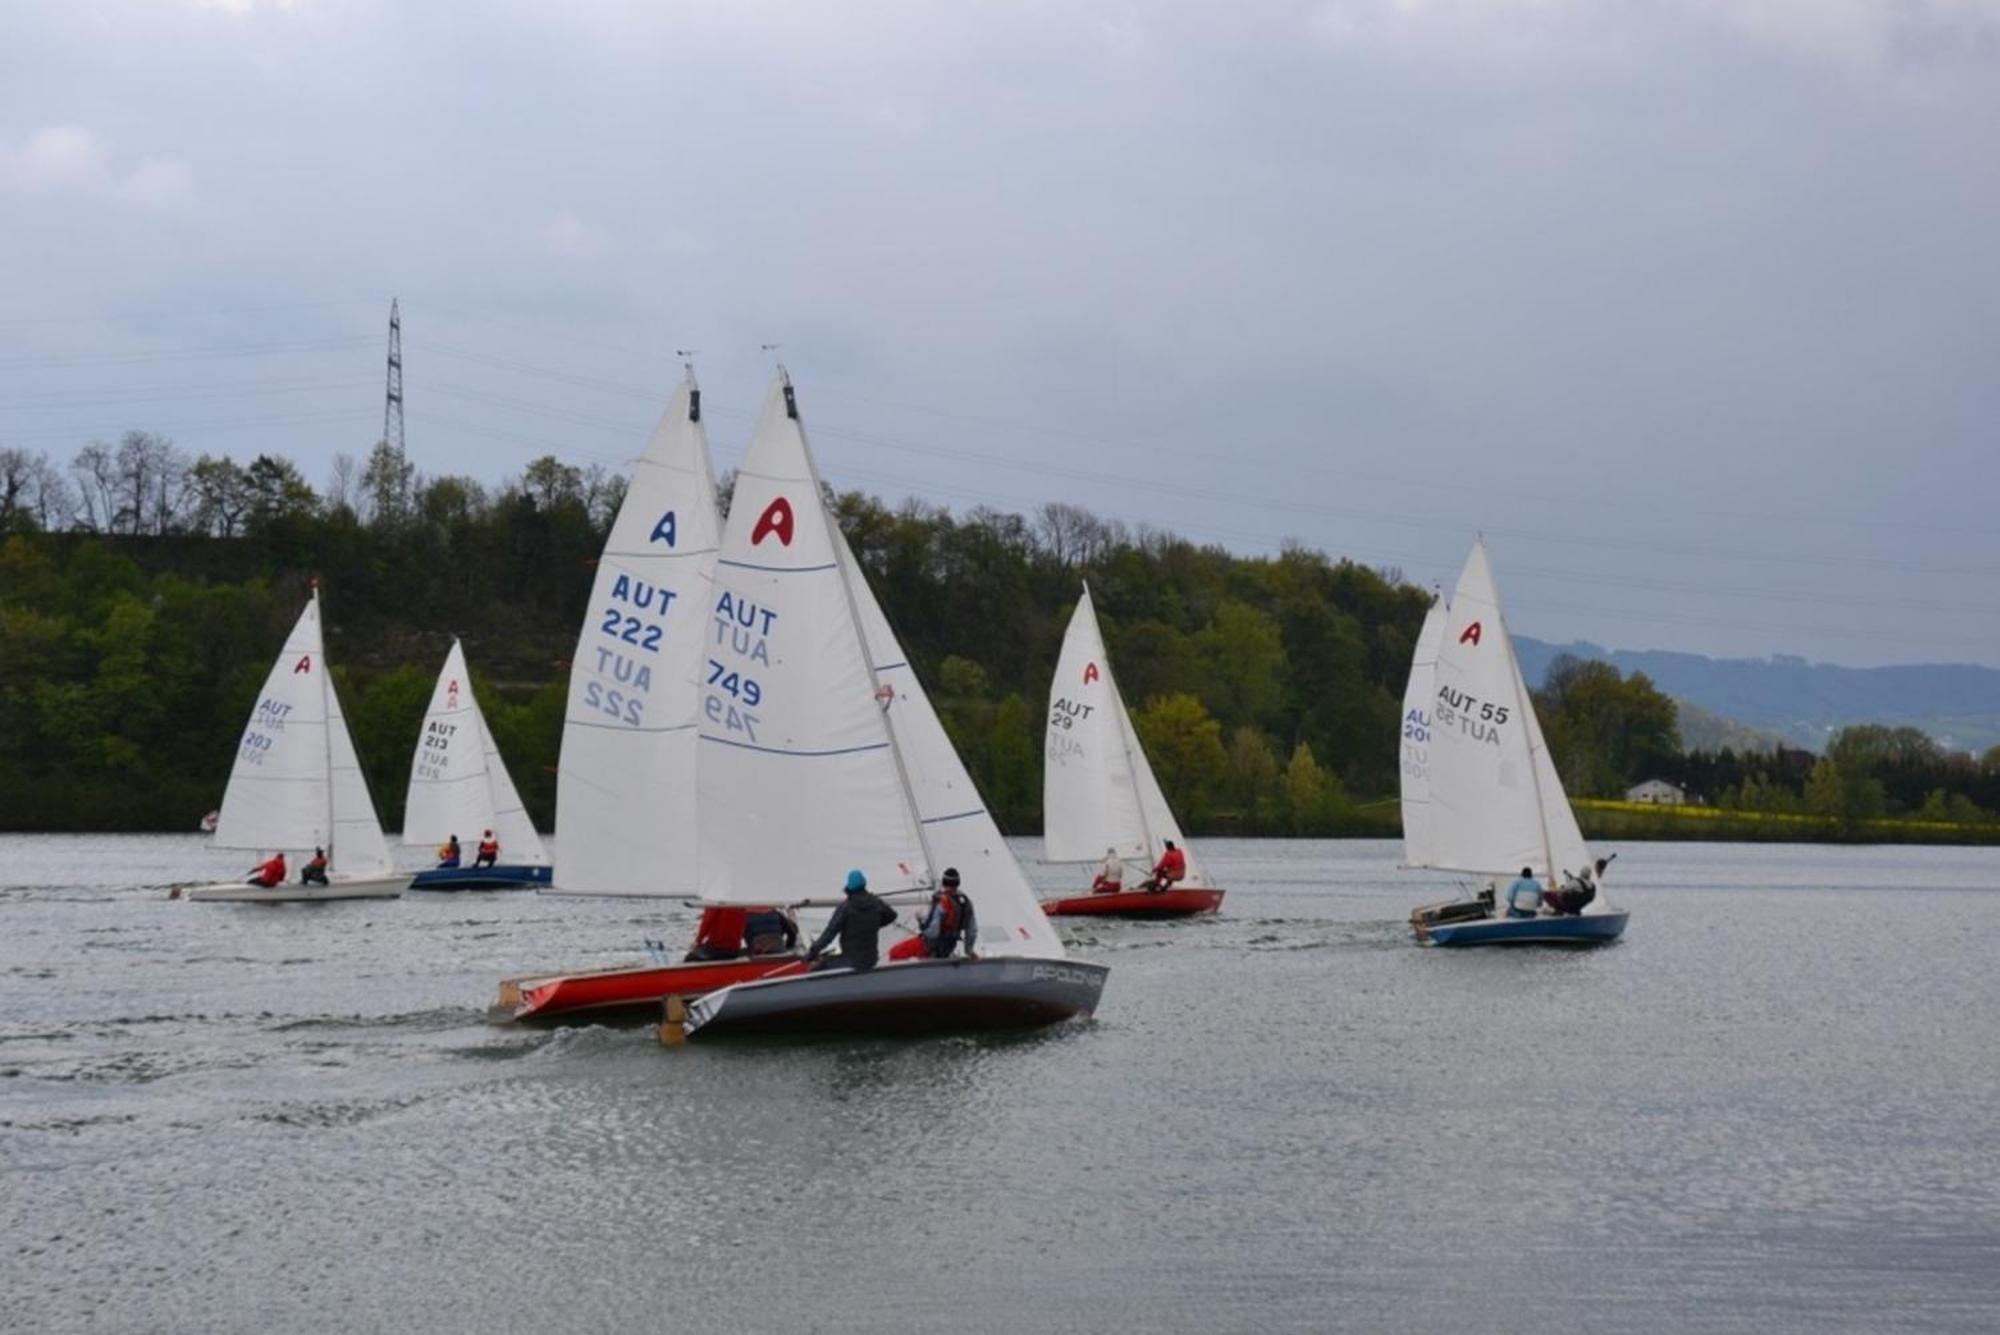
[(1693, 308)]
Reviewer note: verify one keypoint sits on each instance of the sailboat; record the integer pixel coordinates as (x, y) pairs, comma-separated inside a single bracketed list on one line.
[(297, 785), (821, 752), (1416, 744), (460, 789), (1496, 804), (625, 786), (1099, 797)]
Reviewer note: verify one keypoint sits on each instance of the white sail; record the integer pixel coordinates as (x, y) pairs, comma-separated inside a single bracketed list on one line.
[(799, 777), (958, 829), (1496, 803), (1416, 744), (296, 783), (520, 841), (458, 783), (358, 851), (280, 790), (1098, 792), (625, 786)]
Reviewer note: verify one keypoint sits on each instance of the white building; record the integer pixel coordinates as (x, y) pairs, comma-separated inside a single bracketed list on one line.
[(1657, 791)]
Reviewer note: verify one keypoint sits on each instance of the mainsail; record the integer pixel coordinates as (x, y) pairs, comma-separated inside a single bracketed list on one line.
[(1496, 803), (1417, 739), (1098, 792), (958, 829), (296, 783), (625, 789), (458, 783), (800, 779)]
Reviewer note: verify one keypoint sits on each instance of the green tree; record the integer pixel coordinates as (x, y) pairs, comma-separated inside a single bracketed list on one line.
[(1184, 745), (1314, 798), (1256, 781), (1241, 654), (1015, 785)]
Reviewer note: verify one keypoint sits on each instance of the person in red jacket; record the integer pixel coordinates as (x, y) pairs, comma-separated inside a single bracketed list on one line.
[(270, 873), (1171, 867), (489, 850)]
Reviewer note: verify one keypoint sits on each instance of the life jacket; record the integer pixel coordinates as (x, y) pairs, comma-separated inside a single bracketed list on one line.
[(272, 872), (722, 927), (952, 908), (489, 848), (1173, 865)]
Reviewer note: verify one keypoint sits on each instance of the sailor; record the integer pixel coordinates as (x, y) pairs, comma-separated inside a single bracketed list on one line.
[(720, 935), (1171, 867), (448, 853), (858, 920), (268, 874), (314, 872), (489, 850), (949, 919), (1111, 876), (1576, 893), (770, 931), (1524, 897)]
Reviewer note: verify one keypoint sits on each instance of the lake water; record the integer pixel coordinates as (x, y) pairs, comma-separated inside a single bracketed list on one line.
[(1775, 1106)]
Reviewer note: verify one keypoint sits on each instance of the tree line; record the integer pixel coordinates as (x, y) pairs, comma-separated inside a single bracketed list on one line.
[(143, 594)]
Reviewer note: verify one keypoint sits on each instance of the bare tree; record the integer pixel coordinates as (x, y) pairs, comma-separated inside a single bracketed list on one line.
[(340, 486), (151, 476), (96, 487)]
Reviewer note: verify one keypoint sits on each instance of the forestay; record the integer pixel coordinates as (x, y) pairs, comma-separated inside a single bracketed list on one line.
[(958, 829), (1417, 739), (799, 777), (1098, 791), (1496, 802), (458, 783), (625, 788)]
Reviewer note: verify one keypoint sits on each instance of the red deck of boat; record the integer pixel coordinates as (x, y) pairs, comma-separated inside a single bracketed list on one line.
[(1137, 904), (639, 988)]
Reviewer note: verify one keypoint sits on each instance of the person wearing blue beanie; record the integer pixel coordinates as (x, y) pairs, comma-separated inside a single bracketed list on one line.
[(857, 921)]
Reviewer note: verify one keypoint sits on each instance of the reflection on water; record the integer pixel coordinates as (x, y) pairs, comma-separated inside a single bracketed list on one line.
[(1768, 1108)]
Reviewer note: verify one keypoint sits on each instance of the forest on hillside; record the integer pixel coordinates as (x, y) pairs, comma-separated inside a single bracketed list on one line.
[(143, 594)]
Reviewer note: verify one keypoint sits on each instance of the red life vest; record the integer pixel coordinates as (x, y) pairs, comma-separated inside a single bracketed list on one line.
[(272, 872), (489, 848), (951, 911), (1173, 866)]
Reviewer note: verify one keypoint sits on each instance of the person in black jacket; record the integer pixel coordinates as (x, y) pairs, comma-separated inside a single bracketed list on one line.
[(857, 922)]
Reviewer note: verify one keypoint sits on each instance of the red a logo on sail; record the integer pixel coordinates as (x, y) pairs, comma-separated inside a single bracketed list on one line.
[(1090, 673), (305, 664), (1471, 635), (777, 518), (451, 694)]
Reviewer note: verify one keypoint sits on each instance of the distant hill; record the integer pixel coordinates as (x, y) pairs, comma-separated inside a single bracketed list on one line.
[(1706, 730), (1806, 703)]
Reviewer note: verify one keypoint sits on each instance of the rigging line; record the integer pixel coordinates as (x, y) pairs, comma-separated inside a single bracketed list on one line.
[(191, 354), (181, 428), (53, 400), (1641, 613), (1143, 483)]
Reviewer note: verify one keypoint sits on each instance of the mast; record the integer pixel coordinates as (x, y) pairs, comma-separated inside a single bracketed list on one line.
[(842, 555), (326, 716)]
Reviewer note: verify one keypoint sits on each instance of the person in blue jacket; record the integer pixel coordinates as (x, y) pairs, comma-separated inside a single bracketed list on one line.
[(858, 921), (1524, 897)]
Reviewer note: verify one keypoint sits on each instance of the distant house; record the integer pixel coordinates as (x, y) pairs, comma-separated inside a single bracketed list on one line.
[(1657, 791)]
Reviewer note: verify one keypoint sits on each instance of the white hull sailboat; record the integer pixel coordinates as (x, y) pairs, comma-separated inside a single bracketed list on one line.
[(460, 789), (821, 752), (297, 785), (1100, 801), (1487, 800)]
